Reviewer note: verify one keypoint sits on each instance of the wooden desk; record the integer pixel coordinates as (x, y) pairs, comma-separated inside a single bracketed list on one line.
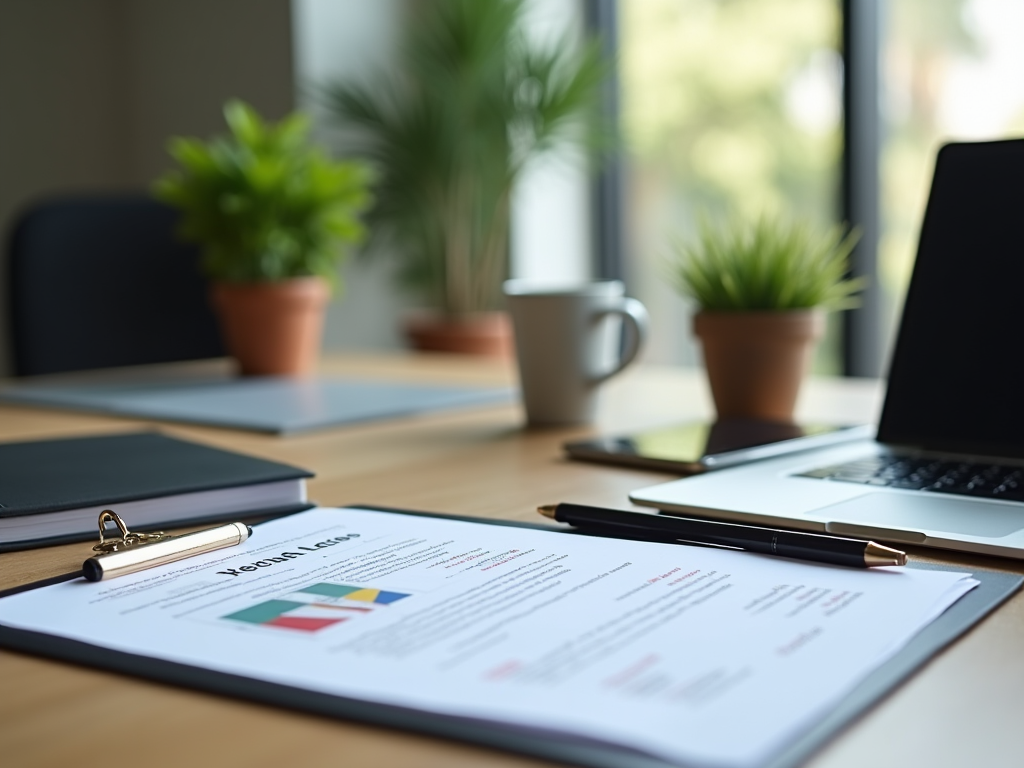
[(963, 709)]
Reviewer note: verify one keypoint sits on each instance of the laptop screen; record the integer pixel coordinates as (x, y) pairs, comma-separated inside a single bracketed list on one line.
[(957, 377)]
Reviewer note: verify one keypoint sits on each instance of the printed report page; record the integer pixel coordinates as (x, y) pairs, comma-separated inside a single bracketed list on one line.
[(691, 654)]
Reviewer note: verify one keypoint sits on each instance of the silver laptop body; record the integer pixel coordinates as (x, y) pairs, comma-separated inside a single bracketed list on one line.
[(947, 467)]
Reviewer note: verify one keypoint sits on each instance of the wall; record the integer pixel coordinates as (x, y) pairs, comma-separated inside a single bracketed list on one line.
[(185, 58), (91, 89), (551, 206), (344, 40), (58, 88)]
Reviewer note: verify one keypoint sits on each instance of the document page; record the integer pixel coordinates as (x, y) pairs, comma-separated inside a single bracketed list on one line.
[(695, 655)]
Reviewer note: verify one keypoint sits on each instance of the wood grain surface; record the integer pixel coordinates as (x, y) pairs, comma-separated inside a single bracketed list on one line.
[(964, 709)]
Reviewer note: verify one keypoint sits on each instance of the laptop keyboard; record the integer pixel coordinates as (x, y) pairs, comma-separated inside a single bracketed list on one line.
[(991, 481)]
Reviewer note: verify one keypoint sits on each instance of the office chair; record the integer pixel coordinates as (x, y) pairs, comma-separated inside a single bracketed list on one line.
[(101, 281)]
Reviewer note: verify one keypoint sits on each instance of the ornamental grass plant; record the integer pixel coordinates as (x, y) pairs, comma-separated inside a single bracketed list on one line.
[(770, 265), (762, 289)]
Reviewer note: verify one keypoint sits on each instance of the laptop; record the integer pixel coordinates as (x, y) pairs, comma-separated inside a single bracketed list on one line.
[(946, 467)]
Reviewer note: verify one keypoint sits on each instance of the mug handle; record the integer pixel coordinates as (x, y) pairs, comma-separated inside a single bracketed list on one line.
[(637, 321)]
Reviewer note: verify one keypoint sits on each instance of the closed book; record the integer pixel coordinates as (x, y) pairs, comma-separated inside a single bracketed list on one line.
[(52, 491)]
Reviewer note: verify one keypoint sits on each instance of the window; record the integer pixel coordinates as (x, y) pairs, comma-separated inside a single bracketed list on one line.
[(737, 104), (726, 105), (951, 70)]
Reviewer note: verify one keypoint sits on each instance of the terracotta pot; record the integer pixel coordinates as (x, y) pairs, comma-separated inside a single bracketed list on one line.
[(756, 361), (273, 329), (482, 333)]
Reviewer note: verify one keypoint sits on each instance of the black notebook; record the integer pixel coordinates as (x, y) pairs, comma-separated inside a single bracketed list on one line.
[(52, 491)]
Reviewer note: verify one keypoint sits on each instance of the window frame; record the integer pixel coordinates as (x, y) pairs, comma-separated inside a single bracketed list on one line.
[(859, 173)]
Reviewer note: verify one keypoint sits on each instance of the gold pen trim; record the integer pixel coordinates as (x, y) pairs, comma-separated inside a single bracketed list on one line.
[(875, 556)]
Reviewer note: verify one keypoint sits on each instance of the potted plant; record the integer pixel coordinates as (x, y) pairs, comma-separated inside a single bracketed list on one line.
[(274, 216), (474, 103), (761, 290)]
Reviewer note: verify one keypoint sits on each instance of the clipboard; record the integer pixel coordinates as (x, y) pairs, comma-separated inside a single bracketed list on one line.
[(993, 590)]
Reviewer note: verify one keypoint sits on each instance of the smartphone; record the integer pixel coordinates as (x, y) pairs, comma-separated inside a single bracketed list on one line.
[(689, 449)]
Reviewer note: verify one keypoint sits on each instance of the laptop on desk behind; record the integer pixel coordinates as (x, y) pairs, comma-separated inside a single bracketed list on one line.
[(947, 466)]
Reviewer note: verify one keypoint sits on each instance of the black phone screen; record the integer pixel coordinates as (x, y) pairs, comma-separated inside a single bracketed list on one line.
[(699, 446)]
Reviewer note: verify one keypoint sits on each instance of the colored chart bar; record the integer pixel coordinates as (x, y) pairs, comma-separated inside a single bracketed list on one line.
[(264, 613), (302, 623), (314, 616), (361, 594)]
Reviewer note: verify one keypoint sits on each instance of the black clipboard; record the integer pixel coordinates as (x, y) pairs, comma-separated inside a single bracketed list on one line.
[(994, 589)]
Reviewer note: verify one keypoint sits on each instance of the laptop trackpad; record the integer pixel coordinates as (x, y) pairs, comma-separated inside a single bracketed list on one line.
[(918, 512)]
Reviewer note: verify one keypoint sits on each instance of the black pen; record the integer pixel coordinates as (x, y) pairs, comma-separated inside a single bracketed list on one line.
[(836, 550)]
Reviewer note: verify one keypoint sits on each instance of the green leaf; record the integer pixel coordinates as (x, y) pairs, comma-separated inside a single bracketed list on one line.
[(244, 123), (767, 265), (259, 201)]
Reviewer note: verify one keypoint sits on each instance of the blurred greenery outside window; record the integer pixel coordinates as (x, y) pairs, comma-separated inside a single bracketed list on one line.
[(736, 104), (727, 105), (952, 70)]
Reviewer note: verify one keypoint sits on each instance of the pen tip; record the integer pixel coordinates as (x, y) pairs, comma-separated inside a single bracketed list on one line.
[(249, 529), (548, 510), (876, 555)]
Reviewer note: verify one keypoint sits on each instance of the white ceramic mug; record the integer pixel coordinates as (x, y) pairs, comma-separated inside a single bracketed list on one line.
[(568, 341)]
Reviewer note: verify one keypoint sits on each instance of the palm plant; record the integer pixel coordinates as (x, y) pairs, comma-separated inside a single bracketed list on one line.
[(474, 102)]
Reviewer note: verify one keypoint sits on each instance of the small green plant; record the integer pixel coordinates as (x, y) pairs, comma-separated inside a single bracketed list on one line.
[(264, 203), (770, 265)]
